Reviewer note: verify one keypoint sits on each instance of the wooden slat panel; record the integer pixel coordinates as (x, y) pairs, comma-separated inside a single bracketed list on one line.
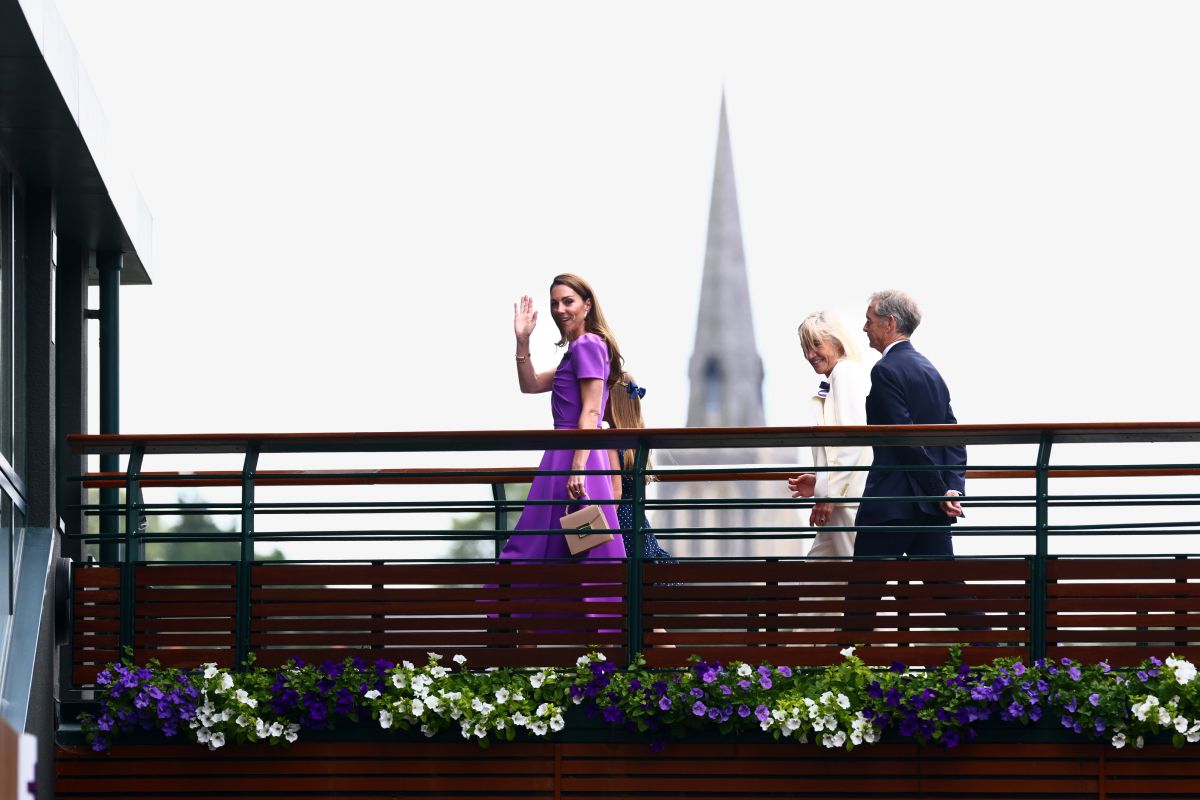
[(185, 575), (380, 624), (713, 571), (1125, 568), (370, 574)]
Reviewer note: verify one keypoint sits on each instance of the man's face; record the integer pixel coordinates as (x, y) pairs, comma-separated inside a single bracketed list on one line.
[(880, 330)]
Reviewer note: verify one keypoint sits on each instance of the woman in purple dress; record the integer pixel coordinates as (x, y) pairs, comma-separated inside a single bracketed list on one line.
[(579, 394)]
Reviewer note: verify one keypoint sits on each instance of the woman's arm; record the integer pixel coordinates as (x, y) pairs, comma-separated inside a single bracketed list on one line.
[(616, 479), (591, 393), (524, 321)]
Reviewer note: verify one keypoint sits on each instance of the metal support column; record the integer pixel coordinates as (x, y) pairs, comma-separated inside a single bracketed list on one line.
[(635, 616), (245, 563), (501, 508), (1037, 589), (110, 265)]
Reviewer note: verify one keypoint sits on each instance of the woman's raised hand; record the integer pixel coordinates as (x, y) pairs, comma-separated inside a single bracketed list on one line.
[(524, 318)]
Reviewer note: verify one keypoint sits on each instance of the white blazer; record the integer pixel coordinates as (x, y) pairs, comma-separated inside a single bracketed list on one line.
[(846, 404)]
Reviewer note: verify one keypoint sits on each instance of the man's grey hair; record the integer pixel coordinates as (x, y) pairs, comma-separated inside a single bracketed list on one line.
[(895, 303)]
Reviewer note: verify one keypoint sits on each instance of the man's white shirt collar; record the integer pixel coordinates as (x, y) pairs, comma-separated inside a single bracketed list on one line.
[(890, 346)]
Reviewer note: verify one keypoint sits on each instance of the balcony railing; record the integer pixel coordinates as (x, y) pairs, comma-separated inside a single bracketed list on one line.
[(1081, 570)]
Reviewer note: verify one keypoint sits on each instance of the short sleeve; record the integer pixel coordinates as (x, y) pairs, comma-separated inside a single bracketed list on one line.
[(589, 356)]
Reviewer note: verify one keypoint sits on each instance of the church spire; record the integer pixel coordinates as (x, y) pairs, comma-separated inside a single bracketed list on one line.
[(725, 371)]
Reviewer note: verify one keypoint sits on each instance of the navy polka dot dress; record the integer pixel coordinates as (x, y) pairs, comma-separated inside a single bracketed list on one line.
[(651, 549)]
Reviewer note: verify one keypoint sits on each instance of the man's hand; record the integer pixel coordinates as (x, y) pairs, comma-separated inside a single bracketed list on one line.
[(952, 508), (803, 485), (820, 515)]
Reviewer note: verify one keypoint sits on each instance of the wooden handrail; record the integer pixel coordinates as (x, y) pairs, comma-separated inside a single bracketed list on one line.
[(659, 438), (490, 475)]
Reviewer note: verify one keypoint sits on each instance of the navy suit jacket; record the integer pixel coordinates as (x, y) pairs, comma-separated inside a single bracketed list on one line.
[(907, 390)]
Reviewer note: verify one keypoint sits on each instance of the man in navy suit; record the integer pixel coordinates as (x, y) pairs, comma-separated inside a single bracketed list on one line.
[(907, 390)]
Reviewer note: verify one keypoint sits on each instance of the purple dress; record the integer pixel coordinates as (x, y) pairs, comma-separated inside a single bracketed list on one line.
[(586, 357)]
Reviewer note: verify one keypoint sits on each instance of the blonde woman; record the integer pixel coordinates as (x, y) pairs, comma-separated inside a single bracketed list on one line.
[(841, 399)]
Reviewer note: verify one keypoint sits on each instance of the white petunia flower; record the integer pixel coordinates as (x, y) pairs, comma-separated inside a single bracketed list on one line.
[(203, 735), (537, 679), (432, 703), (418, 708), (542, 710), (538, 728), (1139, 743), (242, 721), (501, 696), (480, 731), (849, 651), (582, 661), (1181, 724), (517, 697), (210, 671), (556, 722), (1184, 670), (217, 740), (399, 680), (226, 682), (744, 671), (520, 719), (460, 659), (385, 718), (843, 701), (276, 729), (428, 731), (408, 665), (434, 656), (372, 695), (438, 672), (601, 657), (292, 733)]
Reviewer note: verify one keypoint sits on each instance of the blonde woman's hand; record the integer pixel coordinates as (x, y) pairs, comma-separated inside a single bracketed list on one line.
[(524, 318), (821, 512), (803, 485)]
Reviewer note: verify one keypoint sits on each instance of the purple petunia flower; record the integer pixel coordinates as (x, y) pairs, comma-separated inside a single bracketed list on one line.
[(744, 685), (714, 713), (764, 682), (1101, 725), (664, 703), (897, 667), (1074, 673), (1034, 713), (743, 711), (725, 690), (1094, 699), (709, 676), (762, 713), (1067, 721), (785, 671), (698, 708), (1016, 709), (697, 692), (1142, 676), (1019, 668), (1071, 705), (1155, 661)]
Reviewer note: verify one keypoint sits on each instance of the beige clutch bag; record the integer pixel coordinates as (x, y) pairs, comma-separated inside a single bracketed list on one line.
[(585, 529)]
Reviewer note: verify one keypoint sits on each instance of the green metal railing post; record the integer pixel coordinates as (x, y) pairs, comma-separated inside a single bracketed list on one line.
[(242, 636), (635, 616), (133, 499), (500, 498), (1038, 591)]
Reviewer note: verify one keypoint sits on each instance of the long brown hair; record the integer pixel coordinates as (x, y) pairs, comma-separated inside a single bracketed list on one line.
[(626, 410), (594, 322)]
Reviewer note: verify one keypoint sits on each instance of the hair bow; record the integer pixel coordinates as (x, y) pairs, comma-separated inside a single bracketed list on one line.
[(636, 391)]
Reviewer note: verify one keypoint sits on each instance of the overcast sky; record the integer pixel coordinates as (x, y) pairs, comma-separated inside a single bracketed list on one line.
[(349, 197)]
